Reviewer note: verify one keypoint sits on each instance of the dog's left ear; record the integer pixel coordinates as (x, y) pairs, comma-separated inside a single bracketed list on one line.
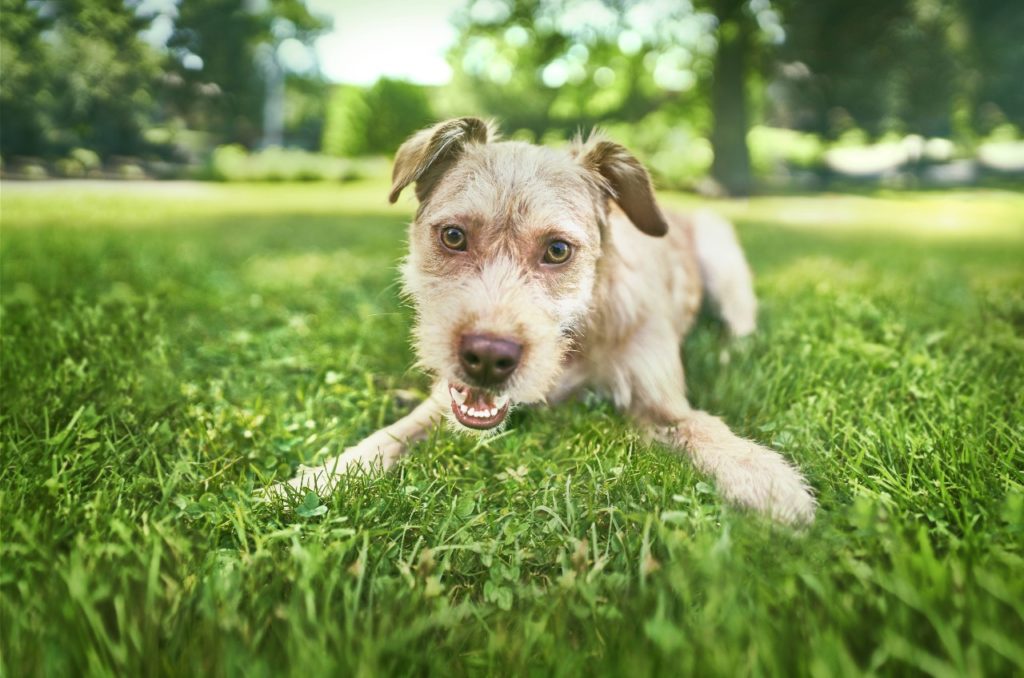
[(624, 179), (426, 155)]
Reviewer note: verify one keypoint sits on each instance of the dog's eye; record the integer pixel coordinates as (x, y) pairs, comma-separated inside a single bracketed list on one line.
[(558, 252), (453, 237)]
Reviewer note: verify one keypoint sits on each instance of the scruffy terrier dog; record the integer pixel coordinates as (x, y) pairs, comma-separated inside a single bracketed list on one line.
[(536, 272)]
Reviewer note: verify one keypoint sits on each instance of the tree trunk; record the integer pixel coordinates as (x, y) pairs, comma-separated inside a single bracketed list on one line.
[(731, 166)]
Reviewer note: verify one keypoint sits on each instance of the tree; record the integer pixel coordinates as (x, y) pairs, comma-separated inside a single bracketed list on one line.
[(375, 120), (106, 76), (556, 66), (553, 65), (218, 86), (348, 117), (731, 165), (91, 85), (995, 54), (397, 109), (24, 79), (877, 64)]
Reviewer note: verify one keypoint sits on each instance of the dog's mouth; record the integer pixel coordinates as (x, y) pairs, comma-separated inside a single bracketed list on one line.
[(477, 409)]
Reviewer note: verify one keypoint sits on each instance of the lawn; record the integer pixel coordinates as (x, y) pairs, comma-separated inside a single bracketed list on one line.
[(169, 348)]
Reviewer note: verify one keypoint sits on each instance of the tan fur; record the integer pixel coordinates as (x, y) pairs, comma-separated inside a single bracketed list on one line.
[(612, 318)]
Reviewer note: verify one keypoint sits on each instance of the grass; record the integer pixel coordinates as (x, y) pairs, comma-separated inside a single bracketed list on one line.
[(168, 349)]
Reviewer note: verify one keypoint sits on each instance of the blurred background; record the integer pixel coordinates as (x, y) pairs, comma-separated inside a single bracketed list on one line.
[(718, 96)]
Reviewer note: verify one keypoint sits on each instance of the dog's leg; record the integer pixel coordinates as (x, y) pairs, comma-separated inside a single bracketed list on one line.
[(746, 473), (725, 272), (385, 447)]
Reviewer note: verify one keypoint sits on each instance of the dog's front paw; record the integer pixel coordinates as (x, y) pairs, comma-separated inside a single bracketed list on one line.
[(791, 500), (323, 478), (746, 473), (768, 483), (320, 479)]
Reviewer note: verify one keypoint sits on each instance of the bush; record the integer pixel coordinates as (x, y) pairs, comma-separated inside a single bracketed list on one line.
[(69, 167), (374, 121), (348, 117), (234, 163), (1002, 133), (26, 168), (398, 109), (773, 149), (89, 160)]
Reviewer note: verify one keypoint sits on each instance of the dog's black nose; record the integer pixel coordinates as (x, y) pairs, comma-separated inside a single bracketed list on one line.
[(489, 360)]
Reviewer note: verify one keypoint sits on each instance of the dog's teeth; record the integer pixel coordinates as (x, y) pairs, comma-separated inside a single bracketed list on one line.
[(494, 411), (462, 408), (457, 395), (472, 412)]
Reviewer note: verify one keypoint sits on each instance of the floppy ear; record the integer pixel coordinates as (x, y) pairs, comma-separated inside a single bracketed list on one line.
[(624, 179), (428, 154)]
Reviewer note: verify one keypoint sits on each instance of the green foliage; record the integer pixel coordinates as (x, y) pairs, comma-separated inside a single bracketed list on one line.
[(106, 92), (548, 67), (23, 80), (306, 106), (995, 53), (902, 65), (77, 74), (170, 348), (91, 84), (375, 120), (544, 66), (89, 160), (772, 147), (234, 163), (80, 162), (397, 109), (348, 116), (234, 39), (1003, 150)]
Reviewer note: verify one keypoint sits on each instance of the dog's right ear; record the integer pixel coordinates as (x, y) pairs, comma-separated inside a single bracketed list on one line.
[(428, 154)]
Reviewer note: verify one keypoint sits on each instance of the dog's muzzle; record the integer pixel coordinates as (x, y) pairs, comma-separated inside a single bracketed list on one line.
[(476, 408)]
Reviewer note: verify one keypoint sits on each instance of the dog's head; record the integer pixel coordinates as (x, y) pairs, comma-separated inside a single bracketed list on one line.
[(504, 255)]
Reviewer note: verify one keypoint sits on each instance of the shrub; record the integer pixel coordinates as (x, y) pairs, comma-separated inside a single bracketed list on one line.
[(775, 148), (69, 167), (398, 109), (348, 116), (374, 121), (89, 160), (234, 163)]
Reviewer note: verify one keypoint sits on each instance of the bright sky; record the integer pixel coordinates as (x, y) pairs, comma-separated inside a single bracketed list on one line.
[(398, 38)]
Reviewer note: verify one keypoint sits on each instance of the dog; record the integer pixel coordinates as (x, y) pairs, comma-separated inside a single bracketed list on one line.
[(537, 272)]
